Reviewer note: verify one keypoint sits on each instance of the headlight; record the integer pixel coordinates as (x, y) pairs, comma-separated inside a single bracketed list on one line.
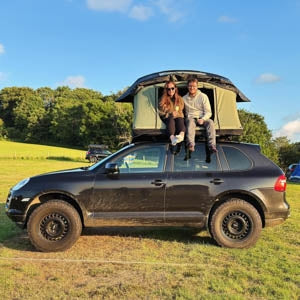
[(20, 184)]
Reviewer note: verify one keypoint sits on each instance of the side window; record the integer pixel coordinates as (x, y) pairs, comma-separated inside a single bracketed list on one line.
[(197, 162), (236, 159), (143, 160)]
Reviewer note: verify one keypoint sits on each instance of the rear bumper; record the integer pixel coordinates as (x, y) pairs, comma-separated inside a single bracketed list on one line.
[(273, 219)]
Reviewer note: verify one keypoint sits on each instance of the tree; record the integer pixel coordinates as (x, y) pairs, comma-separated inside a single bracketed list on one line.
[(281, 141), (289, 154), (10, 98), (256, 131), (3, 132)]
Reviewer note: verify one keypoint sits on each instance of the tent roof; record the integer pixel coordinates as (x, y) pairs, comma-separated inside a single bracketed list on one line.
[(180, 75)]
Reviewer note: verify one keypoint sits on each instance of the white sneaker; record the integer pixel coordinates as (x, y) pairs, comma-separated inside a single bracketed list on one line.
[(179, 138), (174, 141)]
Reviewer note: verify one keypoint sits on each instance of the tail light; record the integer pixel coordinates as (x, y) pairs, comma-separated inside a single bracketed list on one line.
[(280, 184)]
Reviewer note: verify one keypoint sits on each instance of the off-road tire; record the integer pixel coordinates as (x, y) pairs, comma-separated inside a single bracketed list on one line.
[(54, 226), (235, 224)]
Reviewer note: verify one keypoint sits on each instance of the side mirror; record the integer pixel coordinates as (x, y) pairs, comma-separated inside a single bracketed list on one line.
[(112, 169)]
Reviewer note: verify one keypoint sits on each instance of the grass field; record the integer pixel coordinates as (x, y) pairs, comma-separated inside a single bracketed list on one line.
[(143, 263), (13, 150)]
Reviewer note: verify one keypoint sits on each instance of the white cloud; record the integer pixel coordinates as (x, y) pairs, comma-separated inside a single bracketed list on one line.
[(74, 81), (141, 12), (291, 130), (167, 7), (226, 19), (267, 78), (109, 5), (1, 49)]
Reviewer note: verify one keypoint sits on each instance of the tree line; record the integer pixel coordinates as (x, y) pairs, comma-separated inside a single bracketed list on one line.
[(79, 117), (64, 116)]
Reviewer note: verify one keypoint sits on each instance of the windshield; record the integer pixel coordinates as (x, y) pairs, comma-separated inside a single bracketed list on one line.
[(103, 161)]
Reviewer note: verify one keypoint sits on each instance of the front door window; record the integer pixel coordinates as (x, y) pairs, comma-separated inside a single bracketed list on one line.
[(143, 160)]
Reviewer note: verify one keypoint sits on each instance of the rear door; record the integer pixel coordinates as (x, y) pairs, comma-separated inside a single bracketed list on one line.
[(191, 185)]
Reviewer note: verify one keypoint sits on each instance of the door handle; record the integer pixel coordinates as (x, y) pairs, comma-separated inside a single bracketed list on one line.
[(217, 181), (158, 182)]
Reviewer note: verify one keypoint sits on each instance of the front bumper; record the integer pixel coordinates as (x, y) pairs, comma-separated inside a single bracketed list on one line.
[(16, 216), (15, 208)]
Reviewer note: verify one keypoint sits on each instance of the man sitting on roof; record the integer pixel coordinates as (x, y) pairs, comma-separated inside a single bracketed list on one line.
[(198, 112)]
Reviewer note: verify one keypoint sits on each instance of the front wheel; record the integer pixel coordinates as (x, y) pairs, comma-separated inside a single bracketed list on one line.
[(235, 224), (54, 226)]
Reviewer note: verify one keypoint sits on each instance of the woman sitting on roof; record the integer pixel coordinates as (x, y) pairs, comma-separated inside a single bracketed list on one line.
[(171, 111)]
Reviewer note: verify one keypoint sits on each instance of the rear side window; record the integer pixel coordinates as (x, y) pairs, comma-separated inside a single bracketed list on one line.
[(236, 159)]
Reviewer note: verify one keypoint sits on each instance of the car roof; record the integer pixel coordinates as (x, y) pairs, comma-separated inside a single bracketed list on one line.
[(222, 142)]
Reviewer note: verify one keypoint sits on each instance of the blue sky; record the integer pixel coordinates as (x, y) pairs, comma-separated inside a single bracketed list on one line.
[(106, 45)]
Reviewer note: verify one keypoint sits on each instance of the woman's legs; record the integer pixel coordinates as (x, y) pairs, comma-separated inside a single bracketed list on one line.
[(180, 129), (170, 124)]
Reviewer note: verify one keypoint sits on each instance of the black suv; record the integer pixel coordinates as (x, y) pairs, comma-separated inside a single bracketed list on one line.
[(97, 152), (234, 193)]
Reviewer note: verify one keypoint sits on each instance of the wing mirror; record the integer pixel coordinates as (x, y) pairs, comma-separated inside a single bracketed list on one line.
[(112, 169)]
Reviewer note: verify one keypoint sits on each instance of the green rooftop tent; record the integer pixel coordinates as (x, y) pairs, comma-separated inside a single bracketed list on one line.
[(146, 91)]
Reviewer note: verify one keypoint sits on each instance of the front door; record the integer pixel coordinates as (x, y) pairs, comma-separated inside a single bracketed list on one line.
[(137, 194)]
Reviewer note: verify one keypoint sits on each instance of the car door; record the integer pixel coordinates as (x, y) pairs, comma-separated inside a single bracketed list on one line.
[(191, 184), (136, 194)]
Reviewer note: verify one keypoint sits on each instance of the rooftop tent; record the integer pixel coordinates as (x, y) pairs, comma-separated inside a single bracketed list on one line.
[(145, 93)]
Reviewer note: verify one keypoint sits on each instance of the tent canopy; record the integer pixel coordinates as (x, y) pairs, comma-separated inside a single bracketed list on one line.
[(295, 176), (180, 75), (146, 92)]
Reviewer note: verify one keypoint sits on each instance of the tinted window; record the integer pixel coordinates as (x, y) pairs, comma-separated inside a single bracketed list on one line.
[(197, 162), (150, 159), (236, 159)]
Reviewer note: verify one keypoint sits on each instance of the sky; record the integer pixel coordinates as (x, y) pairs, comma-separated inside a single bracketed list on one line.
[(105, 45)]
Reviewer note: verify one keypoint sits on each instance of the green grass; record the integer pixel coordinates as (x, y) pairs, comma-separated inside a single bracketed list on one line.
[(14, 150), (145, 263)]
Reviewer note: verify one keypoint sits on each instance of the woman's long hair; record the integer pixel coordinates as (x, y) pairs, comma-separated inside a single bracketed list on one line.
[(165, 101)]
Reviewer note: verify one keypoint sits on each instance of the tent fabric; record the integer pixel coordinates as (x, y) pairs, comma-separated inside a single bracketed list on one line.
[(147, 119), (295, 176)]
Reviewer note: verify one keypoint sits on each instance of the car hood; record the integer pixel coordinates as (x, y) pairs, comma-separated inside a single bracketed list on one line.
[(62, 172)]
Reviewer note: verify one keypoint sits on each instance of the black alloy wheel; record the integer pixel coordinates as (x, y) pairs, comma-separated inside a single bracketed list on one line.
[(235, 224), (54, 226)]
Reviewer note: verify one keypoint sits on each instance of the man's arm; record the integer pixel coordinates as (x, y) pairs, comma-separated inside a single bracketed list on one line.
[(206, 108)]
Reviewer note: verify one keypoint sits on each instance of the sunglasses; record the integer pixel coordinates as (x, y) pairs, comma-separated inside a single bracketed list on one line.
[(171, 89)]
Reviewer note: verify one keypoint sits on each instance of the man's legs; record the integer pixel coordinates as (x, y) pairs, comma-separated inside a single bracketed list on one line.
[(211, 134), (191, 129)]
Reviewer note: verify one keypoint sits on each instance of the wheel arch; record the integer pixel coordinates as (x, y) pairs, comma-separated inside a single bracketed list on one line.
[(57, 195), (251, 199)]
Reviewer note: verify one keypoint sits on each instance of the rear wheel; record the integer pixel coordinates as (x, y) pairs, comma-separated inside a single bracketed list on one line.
[(54, 226), (235, 224)]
